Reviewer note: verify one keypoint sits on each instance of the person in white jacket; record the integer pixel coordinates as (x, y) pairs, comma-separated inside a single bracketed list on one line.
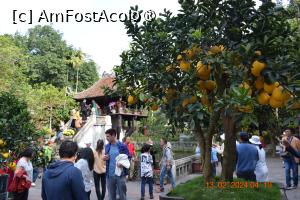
[(85, 164), (261, 170)]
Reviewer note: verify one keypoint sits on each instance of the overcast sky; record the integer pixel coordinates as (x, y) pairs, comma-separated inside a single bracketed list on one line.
[(102, 41)]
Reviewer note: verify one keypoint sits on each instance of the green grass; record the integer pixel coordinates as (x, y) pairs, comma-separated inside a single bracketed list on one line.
[(196, 189)]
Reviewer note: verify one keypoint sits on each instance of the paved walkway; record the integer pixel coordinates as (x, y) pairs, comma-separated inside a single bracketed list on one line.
[(276, 174)]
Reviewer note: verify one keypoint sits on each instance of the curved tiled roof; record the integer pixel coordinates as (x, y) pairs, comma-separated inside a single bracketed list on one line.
[(96, 90)]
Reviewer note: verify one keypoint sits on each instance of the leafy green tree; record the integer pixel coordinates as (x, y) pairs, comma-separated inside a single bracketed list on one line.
[(88, 75), (52, 61), (12, 65), (202, 66), (47, 68), (17, 128), (49, 105)]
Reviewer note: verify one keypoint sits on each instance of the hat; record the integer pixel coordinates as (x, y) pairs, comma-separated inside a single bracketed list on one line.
[(255, 139), (222, 136)]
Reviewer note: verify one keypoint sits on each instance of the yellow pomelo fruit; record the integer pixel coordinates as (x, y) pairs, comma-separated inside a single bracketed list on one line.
[(130, 99), (278, 94), (275, 103), (5, 155), (185, 102), (257, 67), (188, 53), (210, 85), (269, 88), (1, 143), (193, 99), (179, 58), (12, 166), (216, 49), (259, 83), (263, 98), (203, 71), (185, 65), (154, 107), (201, 85)]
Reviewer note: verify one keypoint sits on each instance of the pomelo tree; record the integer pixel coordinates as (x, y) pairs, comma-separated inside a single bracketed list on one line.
[(215, 61), (17, 128)]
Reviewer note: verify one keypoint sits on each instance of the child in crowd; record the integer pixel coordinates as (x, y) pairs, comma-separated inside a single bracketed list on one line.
[(146, 171)]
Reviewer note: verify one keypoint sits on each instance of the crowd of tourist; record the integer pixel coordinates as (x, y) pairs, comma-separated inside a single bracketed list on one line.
[(251, 157), (108, 167)]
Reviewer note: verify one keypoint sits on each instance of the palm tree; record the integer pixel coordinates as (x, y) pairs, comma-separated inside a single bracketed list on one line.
[(77, 59)]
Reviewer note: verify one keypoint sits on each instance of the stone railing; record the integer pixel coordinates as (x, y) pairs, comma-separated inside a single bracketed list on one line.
[(176, 146), (183, 166)]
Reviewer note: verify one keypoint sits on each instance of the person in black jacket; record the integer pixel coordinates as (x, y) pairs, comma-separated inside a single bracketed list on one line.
[(63, 181)]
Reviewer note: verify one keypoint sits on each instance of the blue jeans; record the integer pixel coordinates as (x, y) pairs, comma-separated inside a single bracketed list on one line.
[(146, 180), (114, 183), (214, 168), (35, 174), (290, 164), (163, 172)]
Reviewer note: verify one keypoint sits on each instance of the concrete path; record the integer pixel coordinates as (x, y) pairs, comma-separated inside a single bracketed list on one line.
[(276, 174)]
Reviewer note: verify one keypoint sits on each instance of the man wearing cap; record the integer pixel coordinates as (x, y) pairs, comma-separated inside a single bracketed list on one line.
[(291, 162), (247, 157)]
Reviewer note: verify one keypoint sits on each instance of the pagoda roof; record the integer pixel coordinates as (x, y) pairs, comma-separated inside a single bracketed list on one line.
[(97, 89)]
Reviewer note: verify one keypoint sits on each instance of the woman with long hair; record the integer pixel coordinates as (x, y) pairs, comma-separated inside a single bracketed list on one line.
[(85, 162), (100, 170), (24, 163)]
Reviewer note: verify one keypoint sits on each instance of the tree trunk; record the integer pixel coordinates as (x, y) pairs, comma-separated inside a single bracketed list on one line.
[(202, 147), (205, 141), (205, 149), (207, 169), (77, 80), (229, 153)]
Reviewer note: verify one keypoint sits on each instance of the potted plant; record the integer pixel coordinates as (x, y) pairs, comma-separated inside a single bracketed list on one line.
[(68, 134), (126, 110), (136, 111)]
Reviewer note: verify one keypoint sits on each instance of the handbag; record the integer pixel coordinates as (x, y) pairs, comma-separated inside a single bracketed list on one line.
[(19, 182)]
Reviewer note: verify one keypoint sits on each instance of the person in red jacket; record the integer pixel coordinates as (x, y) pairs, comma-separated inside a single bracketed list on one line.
[(131, 149)]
